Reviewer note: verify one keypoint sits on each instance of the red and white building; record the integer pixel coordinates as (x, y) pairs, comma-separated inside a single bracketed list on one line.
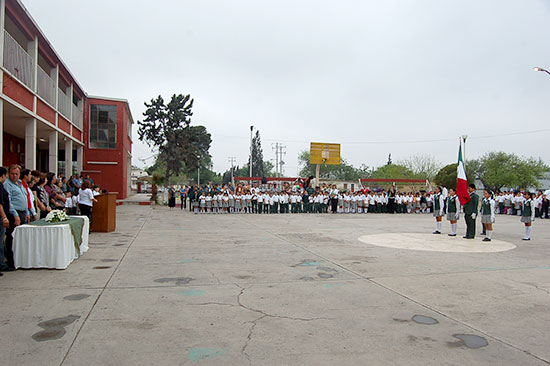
[(47, 121)]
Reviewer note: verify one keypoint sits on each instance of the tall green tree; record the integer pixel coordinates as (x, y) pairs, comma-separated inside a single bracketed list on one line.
[(167, 127), (244, 172), (497, 170), (257, 157), (446, 177)]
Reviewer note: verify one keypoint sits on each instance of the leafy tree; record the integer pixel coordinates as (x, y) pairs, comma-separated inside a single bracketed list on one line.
[(425, 166), (497, 170), (446, 177), (393, 171), (167, 127), (344, 171), (244, 172), (257, 157)]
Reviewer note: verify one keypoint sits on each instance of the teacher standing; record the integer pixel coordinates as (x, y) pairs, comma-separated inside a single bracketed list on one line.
[(86, 200), (470, 212)]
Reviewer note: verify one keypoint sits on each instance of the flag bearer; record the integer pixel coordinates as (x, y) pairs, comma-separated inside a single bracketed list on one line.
[(470, 212)]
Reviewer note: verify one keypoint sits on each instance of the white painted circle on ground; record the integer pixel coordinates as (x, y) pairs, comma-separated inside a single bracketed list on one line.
[(436, 243)]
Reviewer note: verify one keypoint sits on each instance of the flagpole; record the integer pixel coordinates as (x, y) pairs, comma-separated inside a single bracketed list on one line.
[(463, 144)]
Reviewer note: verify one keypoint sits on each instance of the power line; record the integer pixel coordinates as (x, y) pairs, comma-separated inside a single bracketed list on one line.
[(401, 141)]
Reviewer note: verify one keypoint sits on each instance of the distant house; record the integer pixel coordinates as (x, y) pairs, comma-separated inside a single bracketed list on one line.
[(141, 181)]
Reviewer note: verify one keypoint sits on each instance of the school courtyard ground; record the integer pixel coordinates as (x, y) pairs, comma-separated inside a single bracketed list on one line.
[(173, 288)]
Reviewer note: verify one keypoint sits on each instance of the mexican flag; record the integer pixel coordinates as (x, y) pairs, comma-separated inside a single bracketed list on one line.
[(461, 181)]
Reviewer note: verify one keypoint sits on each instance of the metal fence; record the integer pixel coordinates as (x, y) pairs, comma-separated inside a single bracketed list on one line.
[(46, 87), (64, 104), (77, 116), (18, 61)]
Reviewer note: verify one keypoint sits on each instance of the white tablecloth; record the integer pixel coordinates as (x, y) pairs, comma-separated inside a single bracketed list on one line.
[(49, 246)]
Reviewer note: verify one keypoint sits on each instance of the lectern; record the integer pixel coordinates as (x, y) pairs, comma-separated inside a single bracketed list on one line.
[(104, 213)]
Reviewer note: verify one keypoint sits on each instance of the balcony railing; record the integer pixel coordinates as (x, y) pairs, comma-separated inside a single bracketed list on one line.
[(64, 104), (46, 87), (17, 61), (77, 116)]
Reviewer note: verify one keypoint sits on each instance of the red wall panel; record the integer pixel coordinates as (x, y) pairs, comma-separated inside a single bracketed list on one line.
[(77, 134), (63, 124), (18, 92), (13, 157), (44, 111)]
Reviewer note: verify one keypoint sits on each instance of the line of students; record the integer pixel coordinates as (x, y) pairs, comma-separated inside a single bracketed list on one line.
[(510, 203), (254, 201)]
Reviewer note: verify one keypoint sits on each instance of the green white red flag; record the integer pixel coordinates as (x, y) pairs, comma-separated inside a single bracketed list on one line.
[(461, 180)]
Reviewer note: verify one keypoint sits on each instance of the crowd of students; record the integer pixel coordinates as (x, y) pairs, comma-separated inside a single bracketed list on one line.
[(27, 196), (297, 199), (294, 199)]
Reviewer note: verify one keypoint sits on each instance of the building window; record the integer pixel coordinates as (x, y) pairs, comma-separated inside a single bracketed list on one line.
[(103, 126)]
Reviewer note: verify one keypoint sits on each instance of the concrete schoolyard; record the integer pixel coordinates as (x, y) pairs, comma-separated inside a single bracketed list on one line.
[(174, 288)]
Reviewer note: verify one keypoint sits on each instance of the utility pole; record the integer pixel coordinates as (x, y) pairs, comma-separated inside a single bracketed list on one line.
[(282, 151), (279, 152), (251, 130), (276, 148), (232, 160)]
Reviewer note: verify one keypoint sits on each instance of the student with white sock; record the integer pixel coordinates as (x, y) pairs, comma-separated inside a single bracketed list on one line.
[(438, 209), (528, 214), (488, 213), (453, 210)]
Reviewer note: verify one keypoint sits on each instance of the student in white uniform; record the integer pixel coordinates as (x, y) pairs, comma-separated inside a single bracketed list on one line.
[(231, 197), (500, 201), (208, 200), (220, 202), (226, 203), (69, 207), (347, 202), (438, 209), (507, 203), (260, 202), (248, 203), (488, 214), (293, 203), (202, 200), (215, 203)]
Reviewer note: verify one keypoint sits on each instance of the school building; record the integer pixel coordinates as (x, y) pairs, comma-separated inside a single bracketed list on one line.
[(47, 120)]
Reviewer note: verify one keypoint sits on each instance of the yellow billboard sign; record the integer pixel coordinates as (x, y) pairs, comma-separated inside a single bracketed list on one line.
[(324, 153)]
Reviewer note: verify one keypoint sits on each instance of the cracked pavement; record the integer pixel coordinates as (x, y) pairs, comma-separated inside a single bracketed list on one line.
[(183, 289)]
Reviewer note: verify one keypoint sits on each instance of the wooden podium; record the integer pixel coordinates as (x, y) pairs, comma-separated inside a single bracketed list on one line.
[(104, 213)]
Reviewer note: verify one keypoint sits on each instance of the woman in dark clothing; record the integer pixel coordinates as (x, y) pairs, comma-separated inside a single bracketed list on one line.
[(171, 197), (41, 195)]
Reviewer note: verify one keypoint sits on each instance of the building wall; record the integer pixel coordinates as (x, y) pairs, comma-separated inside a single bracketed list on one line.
[(12, 145), (109, 168)]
